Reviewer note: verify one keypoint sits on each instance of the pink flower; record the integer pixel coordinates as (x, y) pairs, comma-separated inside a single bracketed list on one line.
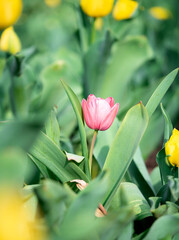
[(99, 113)]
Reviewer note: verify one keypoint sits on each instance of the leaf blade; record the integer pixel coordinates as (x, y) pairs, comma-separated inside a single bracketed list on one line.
[(160, 91), (124, 146), (79, 115)]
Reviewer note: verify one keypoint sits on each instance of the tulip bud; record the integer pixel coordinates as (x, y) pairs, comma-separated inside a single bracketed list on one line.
[(124, 9), (97, 8), (160, 13), (99, 113), (172, 148), (10, 10), (9, 41)]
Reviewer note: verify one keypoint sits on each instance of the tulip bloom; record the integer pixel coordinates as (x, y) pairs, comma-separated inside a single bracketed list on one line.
[(124, 9), (160, 13), (97, 8), (172, 148), (99, 113), (15, 221), (10, 11), (9, 41)]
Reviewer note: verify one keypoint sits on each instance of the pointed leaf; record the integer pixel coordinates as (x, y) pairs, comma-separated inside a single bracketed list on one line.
[(81, 213), (124, 146), (168, 124), (79, 115), (158, 94), (48, 153), (52, 128)]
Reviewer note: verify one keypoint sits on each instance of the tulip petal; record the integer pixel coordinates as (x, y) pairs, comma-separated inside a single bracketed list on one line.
[(110, 100), (102, 110), (108, 120), (91, 98), (87, 114)]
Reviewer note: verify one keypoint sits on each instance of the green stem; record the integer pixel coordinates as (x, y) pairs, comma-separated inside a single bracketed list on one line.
[(93, 32), (91, 149)]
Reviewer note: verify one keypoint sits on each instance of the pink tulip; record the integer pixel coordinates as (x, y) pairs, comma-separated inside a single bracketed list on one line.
[(99, 113)]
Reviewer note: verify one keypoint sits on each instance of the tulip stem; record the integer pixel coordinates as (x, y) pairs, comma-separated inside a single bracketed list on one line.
[(91, 150), (93, 32)]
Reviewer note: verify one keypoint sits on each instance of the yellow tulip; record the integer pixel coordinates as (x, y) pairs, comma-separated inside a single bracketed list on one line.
[(97, 8), (52, 3), (172, 148), (10, 11), (160, 13), (14, 220), (9, 41), (124, 9)]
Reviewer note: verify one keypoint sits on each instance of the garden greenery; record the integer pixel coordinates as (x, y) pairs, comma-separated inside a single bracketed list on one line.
[(81, 93)]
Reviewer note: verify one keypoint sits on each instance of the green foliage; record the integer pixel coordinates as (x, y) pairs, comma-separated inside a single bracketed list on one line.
[(41, 118), (124, 146), (49, 154)]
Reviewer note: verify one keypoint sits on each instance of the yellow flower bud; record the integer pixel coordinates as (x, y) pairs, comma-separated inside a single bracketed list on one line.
[(97, 8), (10, 11), (160, 13), (124, 9), (14, 220), (98, 24), (52, 3), (9, 41), (172, 148)]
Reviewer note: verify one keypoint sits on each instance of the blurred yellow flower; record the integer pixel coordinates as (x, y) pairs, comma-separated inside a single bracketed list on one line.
[(172, 148), (52, 3), (124, 9), (97, 8), (98, 24), (160, 13), (9, 41), (10, 11), (14, 223)]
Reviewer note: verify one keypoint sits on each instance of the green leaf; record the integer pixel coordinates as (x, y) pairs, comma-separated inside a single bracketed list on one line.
[(158, 94), (124, 146), (96, 60), (126, 57), (165, 169), (155, 129), (13, 166), (130, 195), (168, 125), (164, 226), (55, 199), (103, 142), (138, 178), (174, 187), (79, 114), (79, 222), (48, 153), (156, 179), (52, 128), (10, 130), (137, 168), (43, 169), (118, 224)]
